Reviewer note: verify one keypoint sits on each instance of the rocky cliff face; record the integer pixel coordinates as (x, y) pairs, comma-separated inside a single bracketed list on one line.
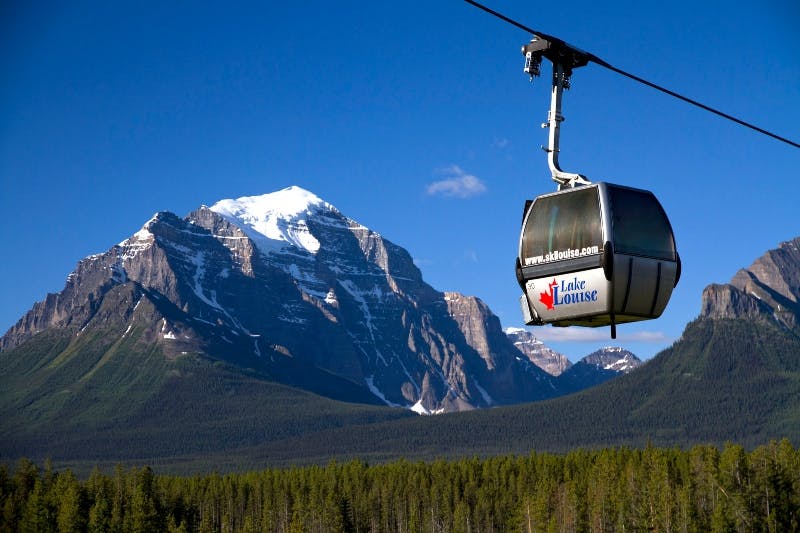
[(767, 289), (537, 352), (287, 285)]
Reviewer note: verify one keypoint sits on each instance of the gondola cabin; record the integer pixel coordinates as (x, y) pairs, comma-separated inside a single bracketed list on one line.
[(596, 255)]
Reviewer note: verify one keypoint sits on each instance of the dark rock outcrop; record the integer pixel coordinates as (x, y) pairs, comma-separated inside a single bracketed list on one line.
[(769, 289)]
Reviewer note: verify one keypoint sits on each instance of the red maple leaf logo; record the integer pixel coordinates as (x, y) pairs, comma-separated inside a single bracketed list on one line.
[(547, 297)]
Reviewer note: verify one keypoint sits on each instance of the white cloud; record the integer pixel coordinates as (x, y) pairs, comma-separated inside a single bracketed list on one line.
[(457, 184), (647, 336), (500, 143), (576, 334)]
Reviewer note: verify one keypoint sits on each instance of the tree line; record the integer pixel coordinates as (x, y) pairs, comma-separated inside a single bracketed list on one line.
[(700, 489)]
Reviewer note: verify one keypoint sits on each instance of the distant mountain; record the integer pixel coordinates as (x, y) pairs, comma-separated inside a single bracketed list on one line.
[(614, 359), (285, 287), (599, 367), (537, 352)]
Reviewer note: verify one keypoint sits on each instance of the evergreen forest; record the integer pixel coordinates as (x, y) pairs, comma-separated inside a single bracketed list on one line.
[(698, 489)]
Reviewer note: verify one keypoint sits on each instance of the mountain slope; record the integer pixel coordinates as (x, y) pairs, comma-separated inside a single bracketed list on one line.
[(82, 405)]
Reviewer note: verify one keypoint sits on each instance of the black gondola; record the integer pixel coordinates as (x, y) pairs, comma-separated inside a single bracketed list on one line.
[(596, 255)]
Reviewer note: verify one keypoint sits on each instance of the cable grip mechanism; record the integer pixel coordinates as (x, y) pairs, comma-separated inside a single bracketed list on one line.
[(564, 58)]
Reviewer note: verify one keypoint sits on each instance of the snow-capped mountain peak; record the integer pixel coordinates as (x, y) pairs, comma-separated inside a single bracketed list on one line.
[(143, 234), (613, 358), (276, 220)]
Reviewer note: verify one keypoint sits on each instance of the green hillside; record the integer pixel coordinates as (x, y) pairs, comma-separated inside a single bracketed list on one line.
[(81, 402), (725, 380)]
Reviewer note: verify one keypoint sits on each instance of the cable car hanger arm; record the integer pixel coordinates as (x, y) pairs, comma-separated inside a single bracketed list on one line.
[(554, 120), (560, 47)]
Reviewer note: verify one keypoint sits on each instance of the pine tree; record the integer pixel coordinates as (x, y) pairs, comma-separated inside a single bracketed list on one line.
[(71, 516), (38, 516)]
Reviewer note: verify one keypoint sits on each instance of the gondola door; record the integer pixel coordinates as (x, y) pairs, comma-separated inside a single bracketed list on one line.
[(560, 259)]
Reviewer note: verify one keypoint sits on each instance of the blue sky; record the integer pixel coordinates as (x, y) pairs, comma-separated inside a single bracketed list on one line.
[(412, 117)]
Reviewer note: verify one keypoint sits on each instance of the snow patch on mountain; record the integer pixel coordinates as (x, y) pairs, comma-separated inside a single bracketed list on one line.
[(370, 381), (486, 397), (419, 408), (138, 242), (625, 364), (143, 234), (276, 221)]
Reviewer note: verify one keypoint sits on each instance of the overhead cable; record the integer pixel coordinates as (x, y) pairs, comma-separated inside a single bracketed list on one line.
[(594, 59)]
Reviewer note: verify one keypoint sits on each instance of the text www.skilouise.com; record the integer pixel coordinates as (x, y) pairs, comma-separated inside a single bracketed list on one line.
[(559, 255)]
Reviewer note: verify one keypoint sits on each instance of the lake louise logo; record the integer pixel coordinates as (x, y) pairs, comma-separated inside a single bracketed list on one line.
[(567, 292)]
